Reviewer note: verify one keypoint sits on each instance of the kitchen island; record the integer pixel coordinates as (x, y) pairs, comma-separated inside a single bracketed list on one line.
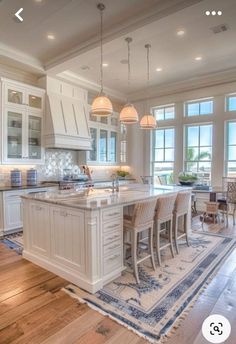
[(79, 235)]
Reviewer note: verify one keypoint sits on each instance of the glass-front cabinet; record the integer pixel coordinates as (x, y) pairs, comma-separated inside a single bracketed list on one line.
[(14, 135), (105, 134), (17, 95), (22, 113), (22, 137)]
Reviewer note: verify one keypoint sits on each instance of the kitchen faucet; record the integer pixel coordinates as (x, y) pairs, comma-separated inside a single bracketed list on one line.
[(115, 183)]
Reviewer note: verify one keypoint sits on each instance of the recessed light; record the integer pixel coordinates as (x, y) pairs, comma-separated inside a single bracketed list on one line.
[(180, 32), (38, 0), (207, 13), (105, 64), (219, 13), (50, 36), (159, 69), (213, 13), (198, 58)]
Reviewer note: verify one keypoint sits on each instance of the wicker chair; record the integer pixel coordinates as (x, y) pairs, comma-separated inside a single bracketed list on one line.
[(147, 180), (181, 210), (225, 204), (163, 224), (142, 220), (211, 210)]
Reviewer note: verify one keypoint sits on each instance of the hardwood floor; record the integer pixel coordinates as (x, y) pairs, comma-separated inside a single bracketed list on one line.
[(33, 309)]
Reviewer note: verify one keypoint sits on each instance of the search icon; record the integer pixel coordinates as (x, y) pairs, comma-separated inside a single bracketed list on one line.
[(216, 328)]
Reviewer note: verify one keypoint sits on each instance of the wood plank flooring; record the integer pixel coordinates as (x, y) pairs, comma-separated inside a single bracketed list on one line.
[(33, 309)]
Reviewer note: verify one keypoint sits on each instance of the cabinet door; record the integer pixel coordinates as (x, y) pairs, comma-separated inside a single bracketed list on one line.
[(13, 135), (113, 147), (93, 154), (14, 95), (68, 244), (103, 146), (13, 211), (39, 235), (34, 137), (35, 100)]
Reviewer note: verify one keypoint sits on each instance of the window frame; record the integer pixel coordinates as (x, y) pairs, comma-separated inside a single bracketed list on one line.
[(185, 148), (164, 107), (199, 101), (153, 148), (227, 145), (227, 97)]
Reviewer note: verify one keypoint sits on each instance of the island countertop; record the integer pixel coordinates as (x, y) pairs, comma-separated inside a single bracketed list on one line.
[(91, 199)]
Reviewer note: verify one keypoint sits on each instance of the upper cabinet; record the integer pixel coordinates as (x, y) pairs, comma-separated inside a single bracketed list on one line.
[(108, 141), (22, 118)]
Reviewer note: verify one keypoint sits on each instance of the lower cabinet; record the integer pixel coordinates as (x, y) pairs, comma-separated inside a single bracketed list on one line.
[(68, 237), (12, 208), (39, 236)]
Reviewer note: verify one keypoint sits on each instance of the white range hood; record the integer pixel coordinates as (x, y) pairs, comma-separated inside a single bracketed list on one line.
[(66, 120)]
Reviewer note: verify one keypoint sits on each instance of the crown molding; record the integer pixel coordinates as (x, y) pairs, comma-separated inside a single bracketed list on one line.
[(207, 80), (17, 59), (160, 10), (90, 85)]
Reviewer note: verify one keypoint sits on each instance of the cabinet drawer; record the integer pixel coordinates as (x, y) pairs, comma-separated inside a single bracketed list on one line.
[(109, 214), (111, 226), (109, 249), (113, 236), (112, 262), (13, 194)]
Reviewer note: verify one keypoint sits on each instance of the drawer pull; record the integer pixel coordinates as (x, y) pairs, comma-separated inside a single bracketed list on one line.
[(112, 226), (113, 214), (114, 246), (114, 257)]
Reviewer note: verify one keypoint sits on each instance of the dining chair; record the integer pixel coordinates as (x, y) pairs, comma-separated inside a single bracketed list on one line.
[(212, 210), (147, 180), (228, 202), (142, 220)]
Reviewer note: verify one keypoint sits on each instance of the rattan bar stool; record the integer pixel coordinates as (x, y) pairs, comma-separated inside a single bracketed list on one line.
[(163, 224), (181, 209), (141, 220)]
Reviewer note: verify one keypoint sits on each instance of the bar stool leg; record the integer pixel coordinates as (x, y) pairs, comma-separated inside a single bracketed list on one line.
[(170, 224), (150, 239), (134, 254), (158, 243), (186, 229), (176, 233)]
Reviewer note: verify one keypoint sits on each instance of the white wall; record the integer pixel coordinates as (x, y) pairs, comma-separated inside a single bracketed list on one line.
[(140, 140)]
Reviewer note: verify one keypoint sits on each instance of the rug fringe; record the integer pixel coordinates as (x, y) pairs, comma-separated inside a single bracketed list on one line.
[(97, 309)]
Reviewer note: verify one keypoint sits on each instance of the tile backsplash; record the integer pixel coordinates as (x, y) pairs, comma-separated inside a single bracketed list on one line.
[(56, 160)]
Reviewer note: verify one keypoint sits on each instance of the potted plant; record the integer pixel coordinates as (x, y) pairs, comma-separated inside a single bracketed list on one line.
[(187, 178), (122, 174)]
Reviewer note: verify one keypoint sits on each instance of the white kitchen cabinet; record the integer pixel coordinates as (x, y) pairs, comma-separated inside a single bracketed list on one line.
[(106, 144), (12, 208), (39, 238), (68, 237), (22, 119)]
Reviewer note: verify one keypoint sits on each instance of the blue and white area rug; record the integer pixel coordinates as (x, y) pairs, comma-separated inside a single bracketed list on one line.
[(14, 242), (156, 306)]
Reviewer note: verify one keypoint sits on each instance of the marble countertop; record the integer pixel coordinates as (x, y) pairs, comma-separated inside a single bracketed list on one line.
[(24, 187), (92, 199)]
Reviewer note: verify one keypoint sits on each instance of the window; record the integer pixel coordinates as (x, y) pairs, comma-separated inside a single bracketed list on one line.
[(198, 150), (231, 149), (163, 152), (199, 108), (231, 103), (164, 112)]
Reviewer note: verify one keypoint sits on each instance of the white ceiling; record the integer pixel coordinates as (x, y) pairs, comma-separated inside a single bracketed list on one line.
[(75, 24)]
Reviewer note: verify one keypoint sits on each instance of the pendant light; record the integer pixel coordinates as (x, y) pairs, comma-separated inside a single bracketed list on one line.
[(128, 114), (101, 105), (148, 121)]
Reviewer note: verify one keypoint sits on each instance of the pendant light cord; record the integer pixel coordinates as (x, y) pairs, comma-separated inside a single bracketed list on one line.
[(101, 41), (128, 40), (148, 46)]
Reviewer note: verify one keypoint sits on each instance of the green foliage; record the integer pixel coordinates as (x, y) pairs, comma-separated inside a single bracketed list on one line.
[(122, 174)]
